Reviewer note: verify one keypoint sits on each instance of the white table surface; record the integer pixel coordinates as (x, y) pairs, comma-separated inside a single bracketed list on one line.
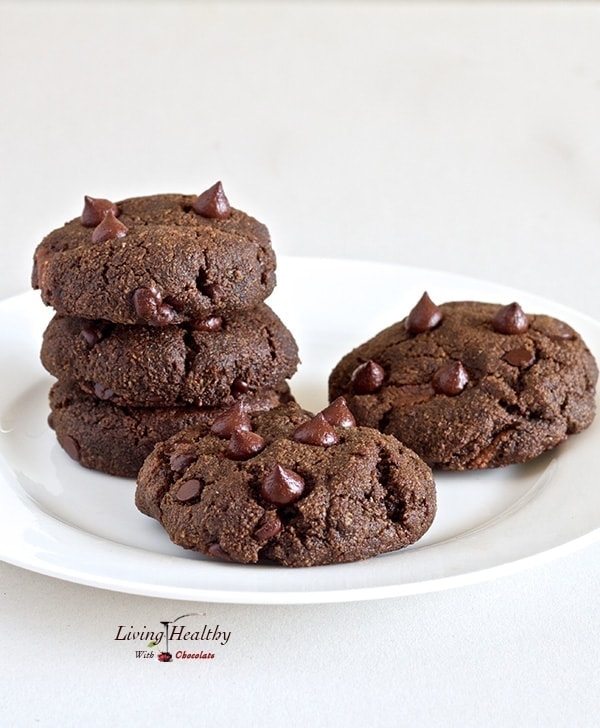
[(458, 136)]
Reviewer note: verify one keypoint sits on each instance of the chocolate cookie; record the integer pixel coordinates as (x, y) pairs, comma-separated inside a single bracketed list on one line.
[(156, 260), (116, 440), (287, 487), (471, 385), (205, 363)]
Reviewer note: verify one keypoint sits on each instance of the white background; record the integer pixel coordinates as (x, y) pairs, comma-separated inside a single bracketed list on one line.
[(458, 136)]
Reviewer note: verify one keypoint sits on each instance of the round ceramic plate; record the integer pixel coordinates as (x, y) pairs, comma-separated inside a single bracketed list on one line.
[(60, 519)]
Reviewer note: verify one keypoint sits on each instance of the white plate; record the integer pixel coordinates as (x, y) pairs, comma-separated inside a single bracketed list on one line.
[(59, 519)]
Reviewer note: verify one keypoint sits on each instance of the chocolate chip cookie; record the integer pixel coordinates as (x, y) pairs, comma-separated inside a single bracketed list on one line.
[(205, 363), (471, 385), (116, 440), (288, 487), (156, 260)]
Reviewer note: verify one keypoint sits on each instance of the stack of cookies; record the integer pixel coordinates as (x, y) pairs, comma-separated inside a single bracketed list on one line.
[(160, 323)]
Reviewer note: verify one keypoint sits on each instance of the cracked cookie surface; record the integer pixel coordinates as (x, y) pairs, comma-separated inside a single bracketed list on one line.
[(155, 260), (471, 385), (287, 487), (207, 363)]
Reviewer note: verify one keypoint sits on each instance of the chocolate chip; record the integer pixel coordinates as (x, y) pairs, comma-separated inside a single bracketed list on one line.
[(367, 378), (563, 337), (94, 210), (243, 444), (213, 290), (214, 323), (149, 308), (102, 392), (109, 228), (212, 203), (424, 316), (71, 447), (189, 490), (510, 320), (92, 333), (239, 387), (338, 413), (232, 420), (268, 530), (180, 461), (164, 316), (451, 379), (281, 486), (316, 431), (519, 357), (218, 552), (146, 302)]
